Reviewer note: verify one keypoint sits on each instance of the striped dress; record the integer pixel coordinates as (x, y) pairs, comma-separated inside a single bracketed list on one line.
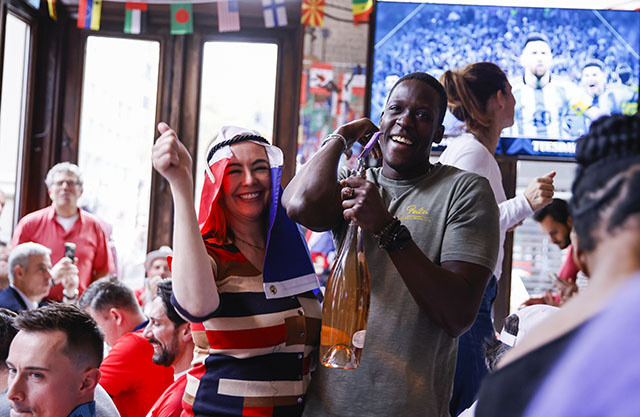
[(253, 355)]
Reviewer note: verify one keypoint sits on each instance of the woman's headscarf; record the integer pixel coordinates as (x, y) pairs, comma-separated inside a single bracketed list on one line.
[(288, 269)]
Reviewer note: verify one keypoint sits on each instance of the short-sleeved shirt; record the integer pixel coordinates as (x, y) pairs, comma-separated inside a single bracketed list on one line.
[(92, 249), (130, 376), (408, 361), (170, 402), (253, 355)]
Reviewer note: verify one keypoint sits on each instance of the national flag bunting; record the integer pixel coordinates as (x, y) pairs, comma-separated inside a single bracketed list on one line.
[(312, 13), (135, 17), (275, 13), (51, 5), (181, 19), (34, 3), (362, 10), (228, 16), (89, 12)]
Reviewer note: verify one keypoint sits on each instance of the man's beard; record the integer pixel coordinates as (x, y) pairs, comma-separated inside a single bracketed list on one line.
[(167, 355)]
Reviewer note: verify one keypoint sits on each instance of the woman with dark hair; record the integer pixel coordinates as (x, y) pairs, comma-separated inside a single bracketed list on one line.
[(606, 212), (242, 276), (479, 95)]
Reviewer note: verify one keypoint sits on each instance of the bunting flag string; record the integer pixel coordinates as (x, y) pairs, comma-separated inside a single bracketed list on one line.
[(89, 12), (274, 12), (135, 17), (228, 16)]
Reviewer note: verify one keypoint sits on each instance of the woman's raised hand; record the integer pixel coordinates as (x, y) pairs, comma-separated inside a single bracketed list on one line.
[(170, 157)]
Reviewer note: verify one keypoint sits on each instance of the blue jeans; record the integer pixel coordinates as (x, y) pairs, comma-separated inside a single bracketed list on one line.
[(470, 366)]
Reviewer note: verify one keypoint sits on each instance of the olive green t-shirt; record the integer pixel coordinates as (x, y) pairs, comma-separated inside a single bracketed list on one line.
[(408, 362)]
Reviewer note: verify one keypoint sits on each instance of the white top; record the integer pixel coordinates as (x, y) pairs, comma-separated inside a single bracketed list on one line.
[(467, 153), (67, 222)]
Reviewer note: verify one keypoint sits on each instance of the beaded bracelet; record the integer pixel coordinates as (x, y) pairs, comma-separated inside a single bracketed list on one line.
[(336, 136), (383, 235)]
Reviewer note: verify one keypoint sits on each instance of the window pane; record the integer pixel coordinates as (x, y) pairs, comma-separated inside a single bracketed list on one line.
[(12, 115), (238, 88), (535, 257), (116, 135)]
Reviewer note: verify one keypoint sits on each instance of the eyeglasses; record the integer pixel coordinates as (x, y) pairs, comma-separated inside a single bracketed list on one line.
[(69, 183)]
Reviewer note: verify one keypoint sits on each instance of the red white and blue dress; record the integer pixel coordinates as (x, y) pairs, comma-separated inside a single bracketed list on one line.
[(254, 354)]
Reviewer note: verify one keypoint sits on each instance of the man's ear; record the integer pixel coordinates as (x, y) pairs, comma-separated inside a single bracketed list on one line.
[(18, 272), (500, 99), (437, 138), (90, 379), (116, 315), (184, 332), (569, 222)]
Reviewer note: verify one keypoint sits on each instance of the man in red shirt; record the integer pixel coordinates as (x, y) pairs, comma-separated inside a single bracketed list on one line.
[(170, 336), (555, 221), (63, 221), (128, 372)]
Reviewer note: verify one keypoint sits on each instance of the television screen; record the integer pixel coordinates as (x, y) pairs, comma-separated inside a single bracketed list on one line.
[(567, 67)]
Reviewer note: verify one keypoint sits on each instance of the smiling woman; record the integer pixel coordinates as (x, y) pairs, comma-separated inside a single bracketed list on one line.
[(242, 276)]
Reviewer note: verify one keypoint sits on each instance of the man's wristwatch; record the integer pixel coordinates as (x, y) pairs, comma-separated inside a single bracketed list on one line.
[(394, 236), (398, 239)]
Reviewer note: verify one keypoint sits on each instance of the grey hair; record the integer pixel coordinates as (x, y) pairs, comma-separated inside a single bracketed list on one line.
[(63, 167), (21, 255)]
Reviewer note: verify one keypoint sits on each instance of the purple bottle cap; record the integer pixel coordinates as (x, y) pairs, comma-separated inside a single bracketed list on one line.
[(369, 145)]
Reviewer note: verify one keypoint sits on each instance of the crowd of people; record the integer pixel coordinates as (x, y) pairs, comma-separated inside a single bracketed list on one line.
[(233, 326), (579, 51)]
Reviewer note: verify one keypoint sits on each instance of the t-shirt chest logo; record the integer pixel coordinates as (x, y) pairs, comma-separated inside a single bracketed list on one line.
[(413, 212)]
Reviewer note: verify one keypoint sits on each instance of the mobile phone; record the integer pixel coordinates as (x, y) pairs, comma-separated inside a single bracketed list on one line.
[(70, 250)]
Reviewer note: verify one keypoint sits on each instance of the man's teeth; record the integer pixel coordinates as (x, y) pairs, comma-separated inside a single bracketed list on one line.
[(249, 196), (402, 139)]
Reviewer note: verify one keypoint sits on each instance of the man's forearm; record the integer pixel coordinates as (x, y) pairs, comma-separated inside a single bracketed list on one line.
[(449, 294), (312, 198)]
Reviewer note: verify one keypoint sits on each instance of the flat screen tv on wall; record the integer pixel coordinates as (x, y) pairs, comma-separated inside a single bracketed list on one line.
[(567, 67)]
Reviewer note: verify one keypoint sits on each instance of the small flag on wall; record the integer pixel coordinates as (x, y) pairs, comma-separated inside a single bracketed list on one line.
[(228, 16), (34, 3), (51, 4), (181, 19), (312, 13), (89, 12), (362, 10), (320, 75), (275, 14), (135, 17)]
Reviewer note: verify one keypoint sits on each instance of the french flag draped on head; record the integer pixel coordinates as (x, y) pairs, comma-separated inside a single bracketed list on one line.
[(288, 269)]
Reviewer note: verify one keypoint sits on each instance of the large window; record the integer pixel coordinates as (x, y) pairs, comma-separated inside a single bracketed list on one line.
[(17, 44), (117, 130), (238, 88)]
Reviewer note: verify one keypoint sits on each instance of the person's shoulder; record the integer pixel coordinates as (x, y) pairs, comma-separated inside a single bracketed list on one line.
[(90, 218), (130, 343), (35, 216), (453, 174), (458, 181), (460, 146), (9, 299)]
